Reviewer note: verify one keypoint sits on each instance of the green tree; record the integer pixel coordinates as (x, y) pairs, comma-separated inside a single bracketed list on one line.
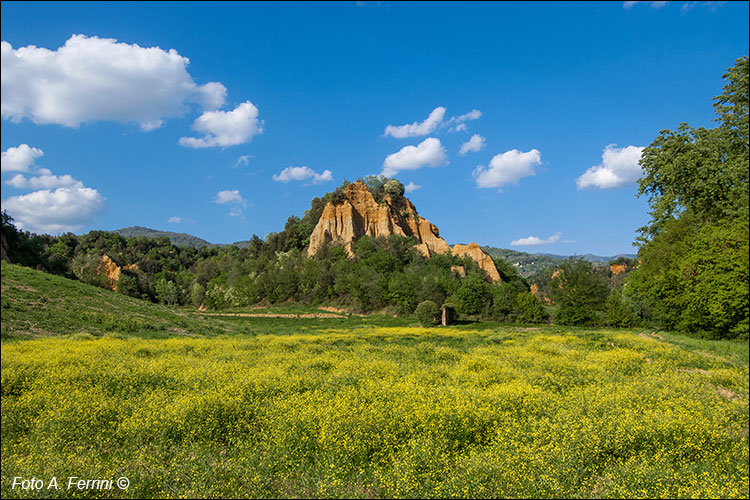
[(693, 253), (530, 308), (474, 294), (579, 291)]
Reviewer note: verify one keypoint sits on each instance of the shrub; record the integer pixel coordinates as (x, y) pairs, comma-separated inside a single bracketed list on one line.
[(504, 302), (473, 294), (427, 313), (575, 315), (618, 312), (530, 308)]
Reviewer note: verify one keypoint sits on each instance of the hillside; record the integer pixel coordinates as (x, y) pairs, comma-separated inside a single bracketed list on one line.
[(37, 304), (529, 264), (177, 239)]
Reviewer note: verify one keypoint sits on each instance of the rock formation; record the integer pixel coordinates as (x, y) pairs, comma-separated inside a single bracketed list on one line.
[(109, 268), (485, 261), (618, 268), (360, 215)]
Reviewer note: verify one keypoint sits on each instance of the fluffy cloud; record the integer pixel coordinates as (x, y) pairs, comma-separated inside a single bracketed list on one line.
[(229, 196), (416, 129), (91, 78), (507, 168), (174, 220), (474, 114), (64, 209), (233, 198), (476, 143), (533, 241), (302, 174), (619, 167), (225, 128), (19, 159), (432, 123), (44, 181), (61, 203), (428, 153), (411, 187)]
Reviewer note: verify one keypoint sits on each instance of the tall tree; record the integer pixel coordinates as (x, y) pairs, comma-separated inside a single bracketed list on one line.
[(693, 254)]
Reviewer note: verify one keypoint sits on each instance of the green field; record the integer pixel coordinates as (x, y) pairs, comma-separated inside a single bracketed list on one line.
[(97, 385)]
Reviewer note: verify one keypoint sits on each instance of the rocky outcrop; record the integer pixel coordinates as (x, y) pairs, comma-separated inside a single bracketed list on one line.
[(618, 268), (360, 215), (475, 252), (112, 271)]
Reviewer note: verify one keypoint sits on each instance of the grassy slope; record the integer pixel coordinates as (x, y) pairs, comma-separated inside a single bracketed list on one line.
[(353, 407), (36, 304)]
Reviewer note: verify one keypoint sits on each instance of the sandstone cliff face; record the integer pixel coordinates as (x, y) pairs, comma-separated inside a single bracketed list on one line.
[(360, 215), (618, 268), (475, 252), (109, 268)]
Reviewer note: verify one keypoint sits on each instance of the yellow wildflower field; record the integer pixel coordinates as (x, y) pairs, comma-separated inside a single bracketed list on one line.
[(377, 412)]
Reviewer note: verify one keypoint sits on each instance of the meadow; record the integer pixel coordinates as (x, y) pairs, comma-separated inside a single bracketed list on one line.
[(185, 405)]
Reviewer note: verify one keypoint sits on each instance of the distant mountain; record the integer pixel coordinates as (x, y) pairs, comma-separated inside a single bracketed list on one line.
[(177, 239), (594, 258), (529, 264)]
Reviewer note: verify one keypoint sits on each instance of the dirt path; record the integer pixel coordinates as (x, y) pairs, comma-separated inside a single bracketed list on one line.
[(277, 315)]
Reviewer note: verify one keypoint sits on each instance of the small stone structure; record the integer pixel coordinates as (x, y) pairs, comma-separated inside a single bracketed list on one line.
[(448, 315)]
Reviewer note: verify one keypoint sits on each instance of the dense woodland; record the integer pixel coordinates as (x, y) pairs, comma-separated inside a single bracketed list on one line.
[(691, 273)]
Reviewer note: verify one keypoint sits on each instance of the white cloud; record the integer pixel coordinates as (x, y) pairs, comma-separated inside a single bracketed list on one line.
[(20, 158), (507, 168), (92, 78), (44, 181), (234, 198), (411, 187), (70, 206), (474, 114), (64, 209), (476, 143), (229, 196), (654, 5), (533, 241), (174, 220), (428, 153), (619, 167), (416, 129), (243, 160), (301, 174), (225, 128), (687, 6)]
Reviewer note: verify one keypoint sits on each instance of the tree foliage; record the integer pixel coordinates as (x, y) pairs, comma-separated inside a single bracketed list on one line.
[(579, 291), (693, 273)]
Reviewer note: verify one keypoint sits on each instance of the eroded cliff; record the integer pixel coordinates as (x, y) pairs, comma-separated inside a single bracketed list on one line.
[(360, 215)]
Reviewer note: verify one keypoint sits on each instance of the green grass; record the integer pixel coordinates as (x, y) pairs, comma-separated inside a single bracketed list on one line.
[(366, 407)]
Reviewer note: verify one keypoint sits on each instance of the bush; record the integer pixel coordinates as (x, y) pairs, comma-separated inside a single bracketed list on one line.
[(504, 302), (530, 308), (575, 315), (473, 294), (427, 313), (618, 312)]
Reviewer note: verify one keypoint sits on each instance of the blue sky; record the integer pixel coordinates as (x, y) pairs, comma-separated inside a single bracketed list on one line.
[(519, 124)]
